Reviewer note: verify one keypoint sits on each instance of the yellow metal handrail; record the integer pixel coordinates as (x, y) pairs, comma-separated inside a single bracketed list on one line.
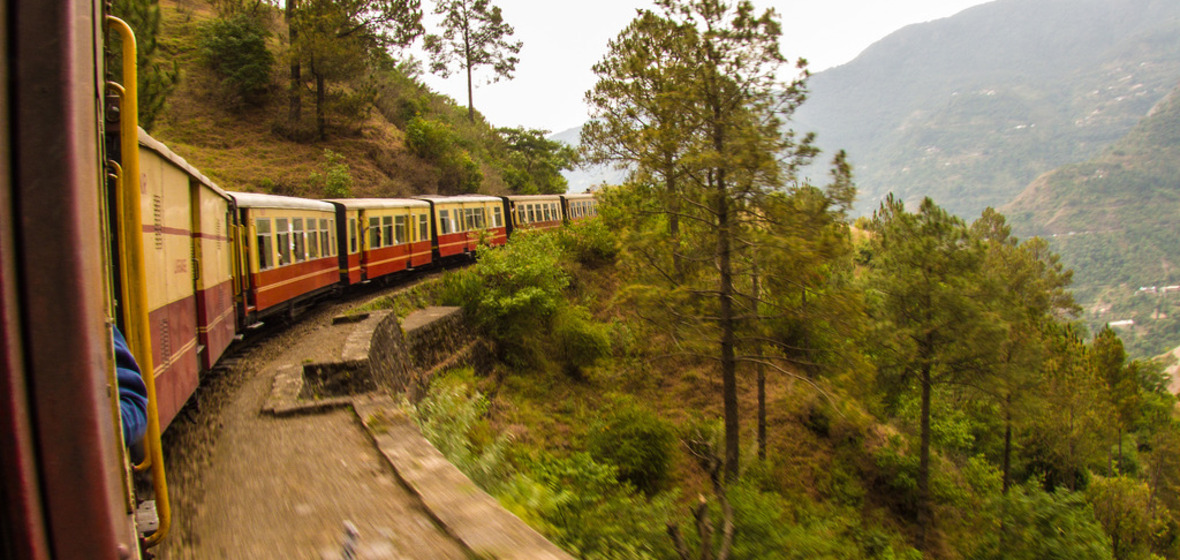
[(116, 175), (132, 260)]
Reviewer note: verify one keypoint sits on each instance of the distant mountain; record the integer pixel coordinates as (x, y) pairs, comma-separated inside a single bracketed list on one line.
[(971, 108), (1113, 221)]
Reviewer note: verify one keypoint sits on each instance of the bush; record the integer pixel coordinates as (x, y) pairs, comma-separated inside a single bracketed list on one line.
[(430, 139), (591, 243), (638, 443), (461, 173), (447, 417), (236, 50), (581, 342), (512, 294), (336, 180), (590, 515)]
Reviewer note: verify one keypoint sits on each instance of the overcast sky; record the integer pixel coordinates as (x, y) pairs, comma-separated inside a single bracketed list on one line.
[(564, 38)]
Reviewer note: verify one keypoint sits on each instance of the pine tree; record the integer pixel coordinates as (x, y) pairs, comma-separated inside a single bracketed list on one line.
[(474, 35)]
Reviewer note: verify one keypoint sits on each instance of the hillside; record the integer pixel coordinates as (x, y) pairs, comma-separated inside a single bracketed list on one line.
[(1111, 220), (385, 130), (971, 108)]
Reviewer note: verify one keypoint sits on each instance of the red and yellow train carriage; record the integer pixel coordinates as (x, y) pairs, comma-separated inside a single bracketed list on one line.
[(290, 251), (189, 271), (537, 211), (462, 222), (579, 206), (383, 236)]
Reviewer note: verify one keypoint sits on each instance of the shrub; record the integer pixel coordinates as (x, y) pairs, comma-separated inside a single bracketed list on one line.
[(638, 443), (581, 342), (235, 49), (336, 180), (430, 139), (447, 417), (591, 243), (512, 294), (592, 516), (461, 173)]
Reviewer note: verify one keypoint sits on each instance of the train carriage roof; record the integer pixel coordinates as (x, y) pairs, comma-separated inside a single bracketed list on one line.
[(577, 196), (356, 203), (459, 199), (532, 197), (146, 141), (259, 200)]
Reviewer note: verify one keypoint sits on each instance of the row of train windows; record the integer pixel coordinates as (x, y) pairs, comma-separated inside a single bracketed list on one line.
[(539, 212), (582, 209), (387, 231), (466, 219), (295, 239)]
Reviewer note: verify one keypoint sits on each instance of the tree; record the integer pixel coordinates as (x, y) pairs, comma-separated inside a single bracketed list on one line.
[(535, 162), (474, 34), (1109, 360), (338, 39), (924, 275), (637, 118), (1025, 285), (155, 79), (235, 48), (718, 65)]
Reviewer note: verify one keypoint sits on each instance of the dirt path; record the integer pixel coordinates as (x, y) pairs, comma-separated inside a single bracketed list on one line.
[(245, 485)]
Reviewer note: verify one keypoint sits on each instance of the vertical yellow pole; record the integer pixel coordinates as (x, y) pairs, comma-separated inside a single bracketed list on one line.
[(135, 300)]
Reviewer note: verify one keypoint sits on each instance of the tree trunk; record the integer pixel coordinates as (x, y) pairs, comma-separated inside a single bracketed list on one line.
[(321, 125), (1007, 464), (924, 509), (673, 215), (761, 368), (294, 102), (726, 316), (467, 65)]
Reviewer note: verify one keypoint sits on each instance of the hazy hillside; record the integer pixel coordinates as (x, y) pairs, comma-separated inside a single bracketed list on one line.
[(971, 108), (1112, 219)]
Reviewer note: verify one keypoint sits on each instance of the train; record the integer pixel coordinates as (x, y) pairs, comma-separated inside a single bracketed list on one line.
[(221, 262), (102, 225)]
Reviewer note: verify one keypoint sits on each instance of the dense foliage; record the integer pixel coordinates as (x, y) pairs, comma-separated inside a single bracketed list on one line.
[(920, 385)]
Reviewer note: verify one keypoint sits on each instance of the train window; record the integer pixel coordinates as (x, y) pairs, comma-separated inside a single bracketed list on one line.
[(283, 241), (313, 239), (352, 235), (479, 218), (399, 230), (328, 248), (298, 241), (265, 243), (548, 212), (444, 222), (423, 227), (331, 229), (532, 215), (468, 219), (497, 218), (374, 233), (387, 231)]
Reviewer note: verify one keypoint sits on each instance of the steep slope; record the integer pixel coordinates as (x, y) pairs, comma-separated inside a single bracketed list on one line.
[(971, 108), (1112, 219)]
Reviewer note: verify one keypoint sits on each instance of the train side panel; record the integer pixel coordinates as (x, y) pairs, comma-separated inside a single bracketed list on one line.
[(462, 222), (535, 211), (293, 251), (168, 254), (215, 288)]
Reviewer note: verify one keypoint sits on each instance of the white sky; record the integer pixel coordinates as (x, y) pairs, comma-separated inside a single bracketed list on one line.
[(564, 38)]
